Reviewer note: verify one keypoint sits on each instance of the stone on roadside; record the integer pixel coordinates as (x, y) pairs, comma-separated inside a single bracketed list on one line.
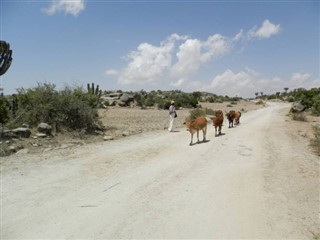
[(41, 135), (298, 107), (125, 133), (44, 128), (107, 138), (22, 132)]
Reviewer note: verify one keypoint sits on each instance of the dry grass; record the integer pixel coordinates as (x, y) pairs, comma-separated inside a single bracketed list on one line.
[(315, 142), (299, 117)]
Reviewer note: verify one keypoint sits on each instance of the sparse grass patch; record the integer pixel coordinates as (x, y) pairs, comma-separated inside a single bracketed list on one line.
[(260, 102), (299, 117), (196, 113), (209, 111), (315, 143)]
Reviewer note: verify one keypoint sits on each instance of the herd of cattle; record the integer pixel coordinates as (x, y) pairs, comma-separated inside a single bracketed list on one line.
[(200, 123)]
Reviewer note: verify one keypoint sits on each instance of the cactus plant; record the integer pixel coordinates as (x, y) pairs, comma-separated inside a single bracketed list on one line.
[(93, 91), (5, 57)]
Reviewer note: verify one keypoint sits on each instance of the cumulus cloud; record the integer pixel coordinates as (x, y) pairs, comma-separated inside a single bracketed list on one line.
[(303, 80), (189, 58), (247, 82), (178, 84), (179, 58), (229, 83), (265, 31), (148, 63), (73, 7), (193, 53)]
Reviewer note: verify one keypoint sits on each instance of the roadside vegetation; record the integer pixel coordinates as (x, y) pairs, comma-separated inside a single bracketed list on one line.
[(308, 98), (68, 109), (76, 109)]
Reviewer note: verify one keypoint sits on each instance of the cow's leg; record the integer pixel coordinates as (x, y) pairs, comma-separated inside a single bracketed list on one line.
[(215, 131), (198, 135), (204, 133), (191, 138)]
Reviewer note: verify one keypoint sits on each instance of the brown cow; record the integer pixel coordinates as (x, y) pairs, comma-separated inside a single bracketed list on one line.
[(217, 121), (230, 116), (196, 125), (237, 118)]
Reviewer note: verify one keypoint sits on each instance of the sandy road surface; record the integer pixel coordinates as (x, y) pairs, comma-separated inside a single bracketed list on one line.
[(255, 181)]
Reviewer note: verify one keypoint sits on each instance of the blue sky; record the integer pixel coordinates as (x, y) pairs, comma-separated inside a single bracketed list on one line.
[(233, 48)]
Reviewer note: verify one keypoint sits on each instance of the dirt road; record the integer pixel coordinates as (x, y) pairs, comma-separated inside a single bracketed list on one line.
[(255, 181)]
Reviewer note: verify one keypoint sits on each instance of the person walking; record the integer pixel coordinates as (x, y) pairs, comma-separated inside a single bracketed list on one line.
[(172, 116)]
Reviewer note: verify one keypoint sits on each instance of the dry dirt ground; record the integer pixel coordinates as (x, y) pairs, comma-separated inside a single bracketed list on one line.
[(258, 180)]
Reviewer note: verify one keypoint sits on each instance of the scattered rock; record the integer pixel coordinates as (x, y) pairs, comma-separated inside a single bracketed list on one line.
[(44, 128), (107, 138), (23, 151), (12, 148), (298, 107), (22, 132), (40, 135), (125, 133), (124, 100)]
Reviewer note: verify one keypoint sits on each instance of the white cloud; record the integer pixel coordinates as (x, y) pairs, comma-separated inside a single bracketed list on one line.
[(189, 58), (178, 58), (149, 63), (215, 46), (247, 82), (300, 77), (239, 36), (193, 53), (302, 80), (265, 31), (231, 84), (73, 7), (111, 72), (178, 84)]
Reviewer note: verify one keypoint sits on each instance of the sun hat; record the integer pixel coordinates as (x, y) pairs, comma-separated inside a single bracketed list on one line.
[(172, 102)]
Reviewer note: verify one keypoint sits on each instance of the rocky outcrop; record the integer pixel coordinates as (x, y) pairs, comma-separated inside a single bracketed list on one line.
[(120, 99)]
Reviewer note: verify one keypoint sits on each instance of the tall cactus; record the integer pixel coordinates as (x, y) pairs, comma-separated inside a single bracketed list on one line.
[(97, 91), (5, 57)]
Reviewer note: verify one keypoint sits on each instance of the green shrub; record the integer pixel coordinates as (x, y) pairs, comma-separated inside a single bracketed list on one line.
[(77, 113), (4, 112), (316, 105), (73, 109)]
